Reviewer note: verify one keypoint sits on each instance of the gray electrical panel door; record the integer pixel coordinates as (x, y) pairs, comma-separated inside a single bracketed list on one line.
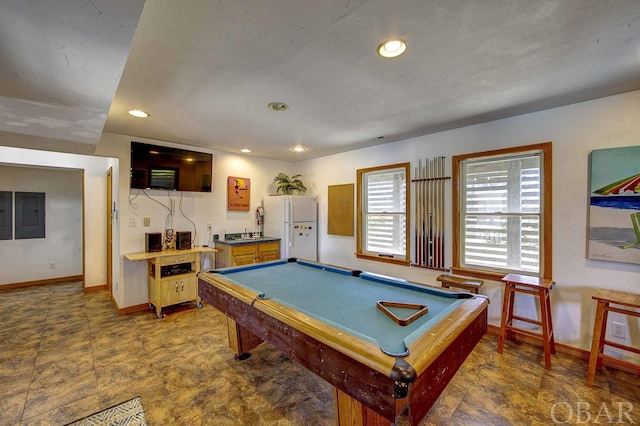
[(29, 215), (6, 215)]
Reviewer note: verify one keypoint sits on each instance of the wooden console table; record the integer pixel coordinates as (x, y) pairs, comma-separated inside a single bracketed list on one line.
[(171, 276)]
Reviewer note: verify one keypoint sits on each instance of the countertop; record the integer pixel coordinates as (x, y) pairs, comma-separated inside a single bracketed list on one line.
[(143, 255), (239, 241)]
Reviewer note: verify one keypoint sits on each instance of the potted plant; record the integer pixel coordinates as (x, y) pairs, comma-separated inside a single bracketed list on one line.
[(289, 185)]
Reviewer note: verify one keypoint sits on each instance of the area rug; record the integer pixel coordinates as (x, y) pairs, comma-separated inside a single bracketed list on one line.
[(128, 413)]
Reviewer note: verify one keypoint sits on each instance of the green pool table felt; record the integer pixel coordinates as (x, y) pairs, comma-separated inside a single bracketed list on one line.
[(347, 302)]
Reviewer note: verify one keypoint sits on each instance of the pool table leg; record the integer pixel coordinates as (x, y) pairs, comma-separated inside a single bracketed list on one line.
[(351, 412), (241, 340)]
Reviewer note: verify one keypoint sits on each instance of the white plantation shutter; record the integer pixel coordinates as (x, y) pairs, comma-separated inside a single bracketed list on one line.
[(501, 207), (385, 219)]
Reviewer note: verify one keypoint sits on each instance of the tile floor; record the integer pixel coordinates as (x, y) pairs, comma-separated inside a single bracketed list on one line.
[(65, 354)]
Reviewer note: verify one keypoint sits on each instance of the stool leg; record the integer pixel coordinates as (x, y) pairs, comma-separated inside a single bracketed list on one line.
[(552, 341), (512, 295), (596, 342), (603, 335), (503, 320), (544, 311)]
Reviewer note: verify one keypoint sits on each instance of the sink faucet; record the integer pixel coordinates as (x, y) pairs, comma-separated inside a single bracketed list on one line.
[(246, 234)]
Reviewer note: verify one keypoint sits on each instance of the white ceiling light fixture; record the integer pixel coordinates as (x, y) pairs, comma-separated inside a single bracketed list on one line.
[(138, 113), (392, 48), (245, 150), (299, 148), (278, 106)]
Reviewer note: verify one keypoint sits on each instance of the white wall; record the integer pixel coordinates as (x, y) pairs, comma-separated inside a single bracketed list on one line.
[(199, 208), (95, 169), (575, 131), (29, 259)]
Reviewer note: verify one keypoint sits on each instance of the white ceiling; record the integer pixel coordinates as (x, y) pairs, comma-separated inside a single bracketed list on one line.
[(206, 70)]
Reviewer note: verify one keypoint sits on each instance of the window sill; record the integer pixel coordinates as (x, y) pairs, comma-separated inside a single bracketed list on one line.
[(383, 259)]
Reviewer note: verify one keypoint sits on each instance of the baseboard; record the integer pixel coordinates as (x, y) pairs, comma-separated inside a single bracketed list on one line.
[(133, 309), (571, 351), (129, 309), (58, 280), (95, 288)]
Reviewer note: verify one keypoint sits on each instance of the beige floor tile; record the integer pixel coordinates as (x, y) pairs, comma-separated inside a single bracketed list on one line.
[(66, 354)]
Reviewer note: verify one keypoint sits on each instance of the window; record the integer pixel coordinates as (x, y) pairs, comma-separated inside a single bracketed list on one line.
[(383, 203), (502, 212)]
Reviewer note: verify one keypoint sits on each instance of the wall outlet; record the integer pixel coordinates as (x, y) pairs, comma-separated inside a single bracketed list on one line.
[(147, 221), (133, 222), (52, 264), (209, 226), (618, 329)]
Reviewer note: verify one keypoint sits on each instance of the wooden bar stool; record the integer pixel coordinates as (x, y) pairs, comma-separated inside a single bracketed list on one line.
[(470, 285), (605, 298), (516, 283)]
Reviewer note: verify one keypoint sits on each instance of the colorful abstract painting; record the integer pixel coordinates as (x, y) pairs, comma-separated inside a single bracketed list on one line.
[(614, 207)]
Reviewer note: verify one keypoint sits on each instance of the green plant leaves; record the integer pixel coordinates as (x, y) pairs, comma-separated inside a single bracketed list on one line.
[(289, 185)]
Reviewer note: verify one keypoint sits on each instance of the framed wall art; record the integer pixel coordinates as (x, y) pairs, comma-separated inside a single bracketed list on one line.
[(238, 193), (614, 205)]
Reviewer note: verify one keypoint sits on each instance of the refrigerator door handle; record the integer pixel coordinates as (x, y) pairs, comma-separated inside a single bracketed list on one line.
[(290, 239)]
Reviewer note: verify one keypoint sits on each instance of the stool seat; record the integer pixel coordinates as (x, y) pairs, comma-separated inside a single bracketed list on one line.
[(470, 285), (626, 303), (536, 286)]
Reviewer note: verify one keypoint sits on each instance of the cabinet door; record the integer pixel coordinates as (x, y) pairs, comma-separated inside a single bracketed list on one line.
[(269, 255), (268, 251), (190, 289), (269, 247), (244, 259), (170, 292)]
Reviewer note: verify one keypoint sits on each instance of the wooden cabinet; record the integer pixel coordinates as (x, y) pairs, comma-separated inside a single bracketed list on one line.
[(172, 276), (172, 280), (246, 253)]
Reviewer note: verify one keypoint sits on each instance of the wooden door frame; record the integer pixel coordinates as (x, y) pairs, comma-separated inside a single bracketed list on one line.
[(109, 230)]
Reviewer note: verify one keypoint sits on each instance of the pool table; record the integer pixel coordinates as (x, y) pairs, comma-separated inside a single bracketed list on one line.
[(328, 319)]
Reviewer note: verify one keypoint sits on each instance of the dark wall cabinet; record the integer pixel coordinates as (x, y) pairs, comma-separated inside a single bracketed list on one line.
[(6, 210), (29, 219)]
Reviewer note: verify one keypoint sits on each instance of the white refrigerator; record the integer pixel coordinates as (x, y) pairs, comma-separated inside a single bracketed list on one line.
[(293, 219)]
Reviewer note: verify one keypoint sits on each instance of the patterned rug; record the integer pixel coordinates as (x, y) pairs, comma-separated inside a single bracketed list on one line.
[(128, 413)]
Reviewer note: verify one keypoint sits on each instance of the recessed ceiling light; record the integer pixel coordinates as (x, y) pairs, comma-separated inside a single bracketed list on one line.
[(299, 148), (392, 48), (278, 106), (245, 150), (138, 113)]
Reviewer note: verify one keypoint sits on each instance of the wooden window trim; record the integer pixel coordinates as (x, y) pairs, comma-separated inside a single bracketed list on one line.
[(546, 252), (359, 253)]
